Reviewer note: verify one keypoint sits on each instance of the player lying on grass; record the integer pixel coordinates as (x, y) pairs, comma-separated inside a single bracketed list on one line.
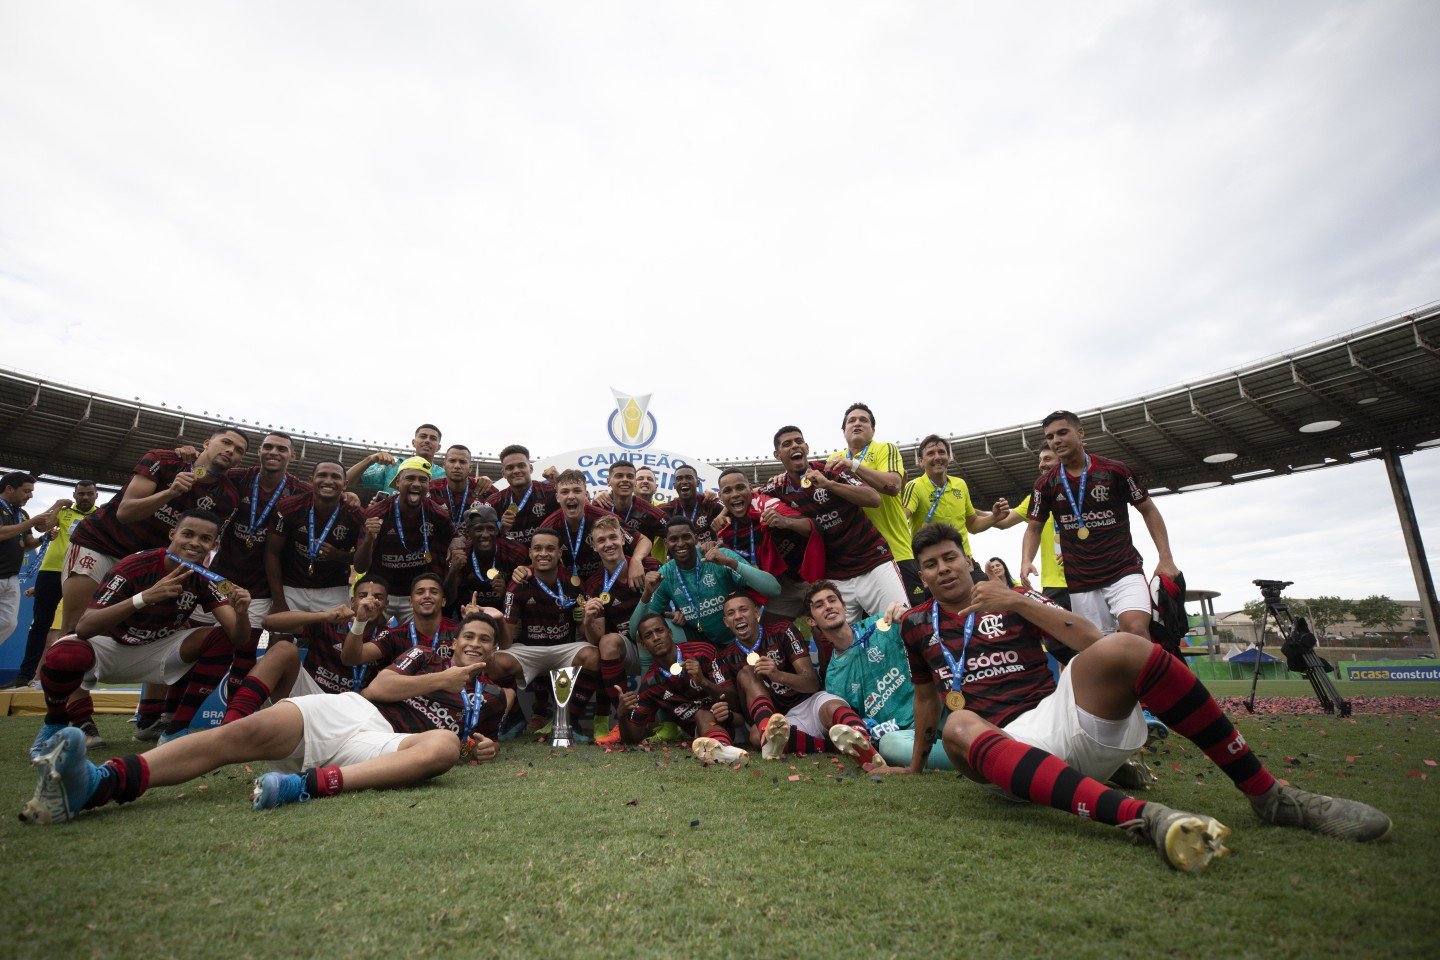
[(1012, 726), (136, 629), (769, 664), (408, 726), (684, 685)]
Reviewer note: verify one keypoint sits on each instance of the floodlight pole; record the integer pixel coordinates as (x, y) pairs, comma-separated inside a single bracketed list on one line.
[(1410, 528)]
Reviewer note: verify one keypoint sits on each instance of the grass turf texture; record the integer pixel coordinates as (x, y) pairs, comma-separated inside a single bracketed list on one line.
[(584, 853)]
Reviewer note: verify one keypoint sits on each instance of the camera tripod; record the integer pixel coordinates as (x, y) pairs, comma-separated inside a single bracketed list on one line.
[(1298, 646)]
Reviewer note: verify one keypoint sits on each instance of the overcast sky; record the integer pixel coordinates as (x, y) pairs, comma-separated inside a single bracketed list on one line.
[(351, 217)]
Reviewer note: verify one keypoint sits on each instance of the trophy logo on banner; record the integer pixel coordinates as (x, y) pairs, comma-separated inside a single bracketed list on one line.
[(632, 425)]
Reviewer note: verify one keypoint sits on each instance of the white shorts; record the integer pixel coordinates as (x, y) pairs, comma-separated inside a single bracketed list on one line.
[(341, 729), (305, 685), (316, 599), (155, 662), (805, 715), (1103, 605), (82, 562), (871, 593), (535, 660), (1094, 746), (259, 610)]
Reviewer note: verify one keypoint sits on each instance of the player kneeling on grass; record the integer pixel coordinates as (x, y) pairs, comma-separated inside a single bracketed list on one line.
[(408, 726), (684, 685), (1011, 725), (135, 630), (770, 666)]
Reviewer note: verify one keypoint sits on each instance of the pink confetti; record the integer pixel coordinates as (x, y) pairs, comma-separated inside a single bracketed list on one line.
[(793, 777), (521, 773), (1428, 763)]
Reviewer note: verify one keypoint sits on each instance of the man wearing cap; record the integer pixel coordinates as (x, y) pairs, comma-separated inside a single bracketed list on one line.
[(474, 574), (405, 535), (378, 471)]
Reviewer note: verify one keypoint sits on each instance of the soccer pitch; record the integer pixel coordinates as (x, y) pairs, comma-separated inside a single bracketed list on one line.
[(641, 854)]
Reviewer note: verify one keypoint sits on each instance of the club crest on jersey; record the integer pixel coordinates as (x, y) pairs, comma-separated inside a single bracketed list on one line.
[(206, 503), (822, 495), (1099, 494), (186, 600), (875, 654), (991, 625)]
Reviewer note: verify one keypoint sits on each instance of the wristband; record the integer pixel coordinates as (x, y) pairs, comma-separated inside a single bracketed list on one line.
[(357, 627), (139, 601)]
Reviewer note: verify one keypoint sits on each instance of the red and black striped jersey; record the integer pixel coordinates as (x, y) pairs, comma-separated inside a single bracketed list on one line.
[(104, 532), (853, 544), (455, 504), (292, 523), (1006, 672), (623, 600), (1107, 553), (138, 573), (418, 545), (576, 553), (532, 507), (783, 645), (541, 620), (663, 695), (440, 709), (701, 512), (242, 547), (323, 643), (393, 641)]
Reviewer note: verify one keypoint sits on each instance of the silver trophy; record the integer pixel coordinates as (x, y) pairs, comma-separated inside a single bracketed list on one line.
[(563, 683)]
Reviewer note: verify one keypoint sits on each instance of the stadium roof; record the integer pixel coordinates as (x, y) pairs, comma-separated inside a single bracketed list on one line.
[(1322, 405)]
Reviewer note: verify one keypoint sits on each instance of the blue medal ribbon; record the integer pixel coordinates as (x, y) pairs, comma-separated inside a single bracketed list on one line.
[(529, 489), (473, 703), (316, 543), (863, 641), (935, 499), (861, 455), (16, 514), (759, 638), (579, 540), (610, 578), (680, 508), (561, 601), (400, 528), (475, 566), (450, 501), (957, 670), (1076, 504), (255, 502), (749, 554), (680, 575), (208, 574)]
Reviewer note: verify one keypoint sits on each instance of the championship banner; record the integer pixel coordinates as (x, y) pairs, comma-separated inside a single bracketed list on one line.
[(632, 429)]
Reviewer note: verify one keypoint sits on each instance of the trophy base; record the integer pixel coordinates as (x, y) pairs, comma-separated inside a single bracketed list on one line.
[(561, 742)]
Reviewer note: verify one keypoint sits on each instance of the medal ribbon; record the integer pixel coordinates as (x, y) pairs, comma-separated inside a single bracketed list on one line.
[(208, 574), (957, 670), (255, 501), (759, 638), (475, 566), (610, 578), (529, 489), (680, 575), (1070, 494), (935, 499), (579, 540), (561, 601), (473, 702), (316, 544), (400, 528), (450, 501), (863, 641)]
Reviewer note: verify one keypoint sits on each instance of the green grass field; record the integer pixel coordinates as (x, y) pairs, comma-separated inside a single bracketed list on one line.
[(637, 854)]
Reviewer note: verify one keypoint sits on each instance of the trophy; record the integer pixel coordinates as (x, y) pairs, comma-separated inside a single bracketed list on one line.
[(563, 682)]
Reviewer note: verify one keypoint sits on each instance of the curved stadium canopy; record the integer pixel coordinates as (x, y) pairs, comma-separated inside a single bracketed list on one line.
[(1370, 393), (1379, 386)]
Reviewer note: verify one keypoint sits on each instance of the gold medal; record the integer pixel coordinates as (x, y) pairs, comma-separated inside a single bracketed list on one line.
[(752, 658), (223, 587), (884, 624), (674, 669), (1083, 533), (805, 482), (511, 510), (201, 472), (955, 700), (428, 557), (492, 573), (310, 570), (605, 598)]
